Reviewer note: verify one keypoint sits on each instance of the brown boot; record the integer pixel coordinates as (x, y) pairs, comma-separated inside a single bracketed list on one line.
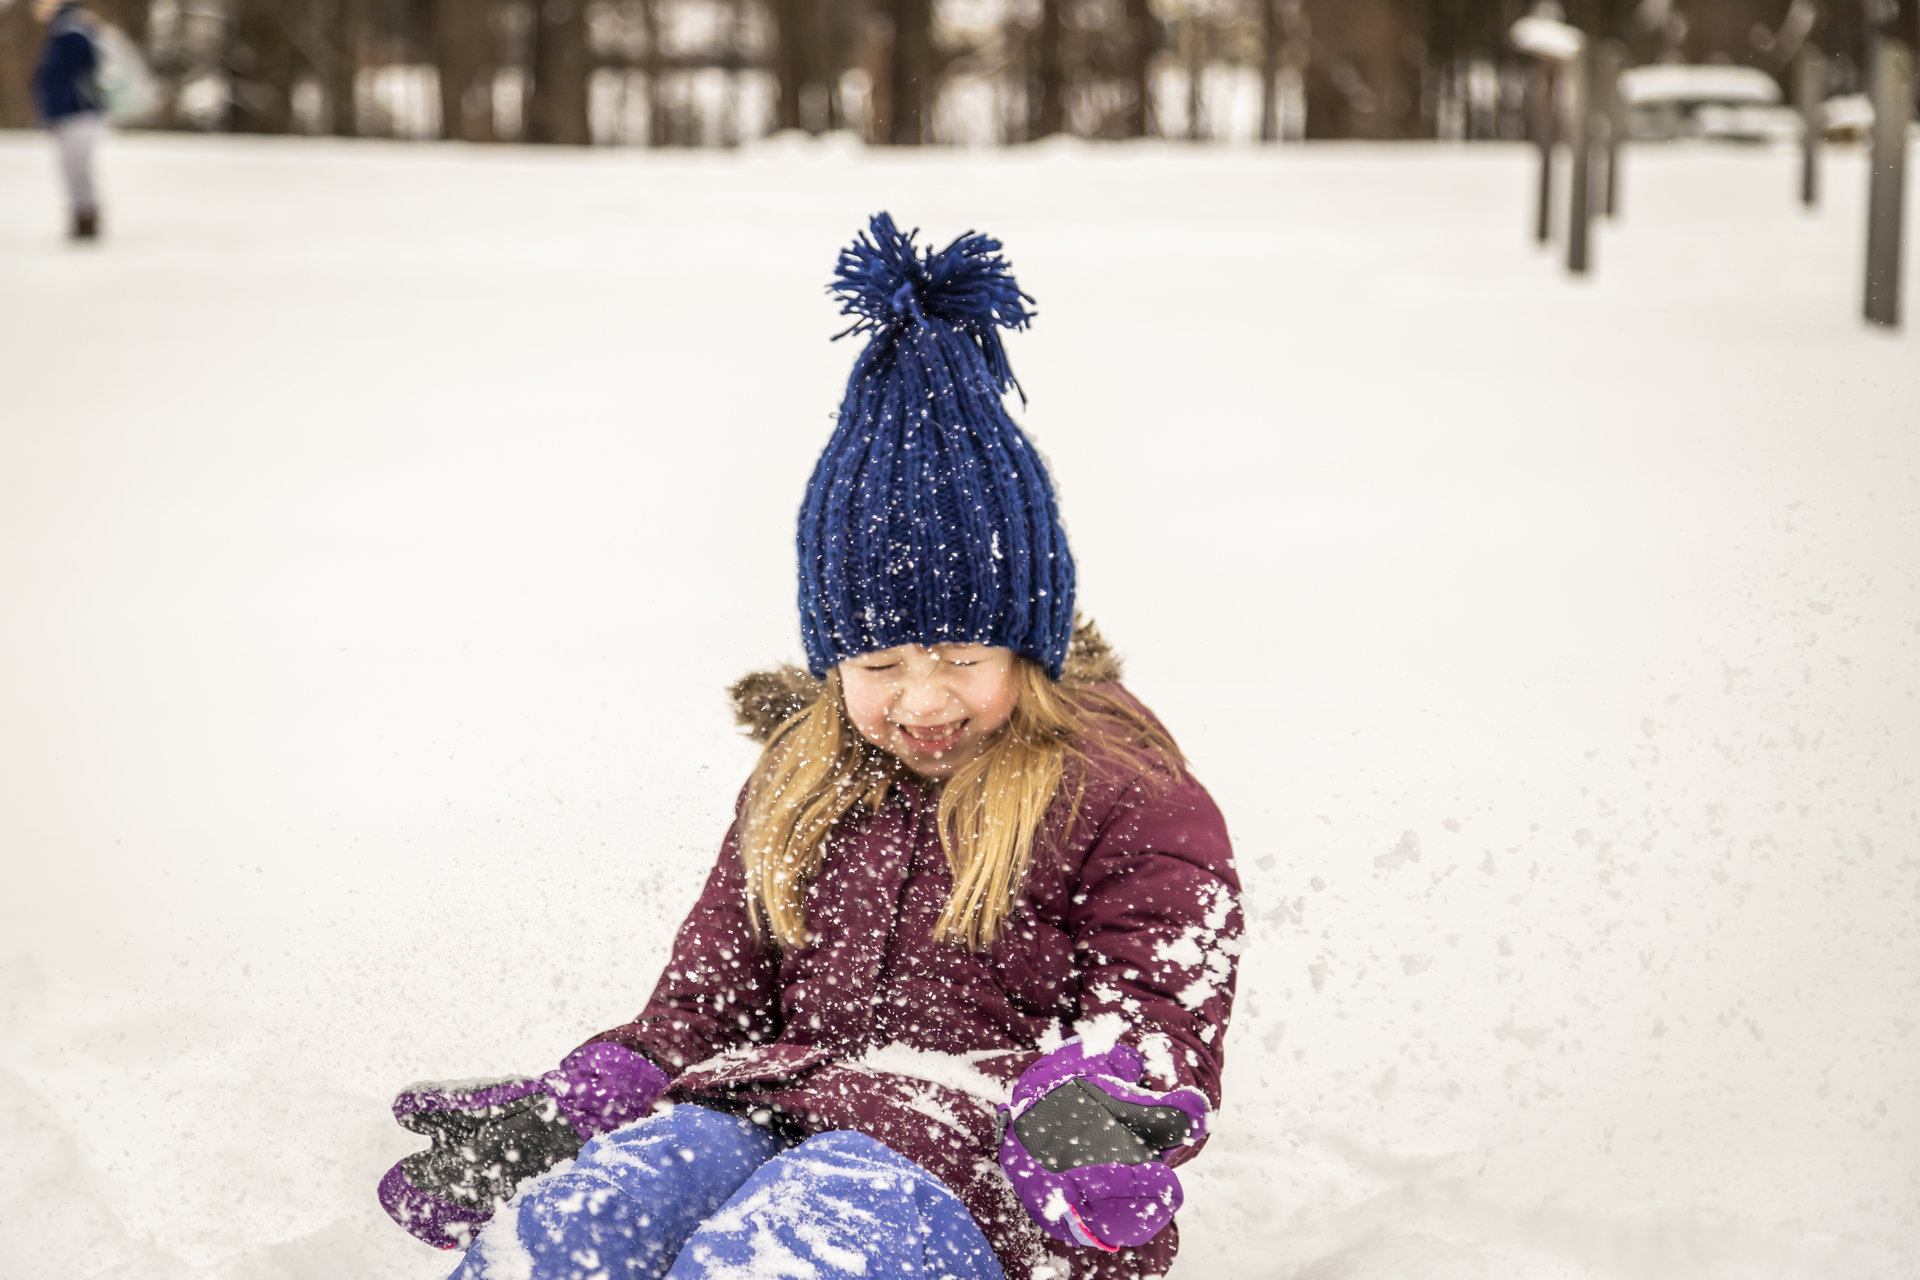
[(86, 224)]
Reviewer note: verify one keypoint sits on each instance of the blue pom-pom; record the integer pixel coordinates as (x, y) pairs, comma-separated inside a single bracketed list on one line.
[(889, 284)]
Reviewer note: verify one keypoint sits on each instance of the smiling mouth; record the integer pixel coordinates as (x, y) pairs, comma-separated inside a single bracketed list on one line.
[(932, 737)]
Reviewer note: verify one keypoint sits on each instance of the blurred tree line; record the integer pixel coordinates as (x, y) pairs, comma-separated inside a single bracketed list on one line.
[(711, 72)]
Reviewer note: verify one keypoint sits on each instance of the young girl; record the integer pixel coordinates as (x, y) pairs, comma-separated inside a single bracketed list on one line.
[(953, 1000)]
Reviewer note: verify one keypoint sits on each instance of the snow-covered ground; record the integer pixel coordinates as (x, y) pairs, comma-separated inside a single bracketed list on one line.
[(380, 524)]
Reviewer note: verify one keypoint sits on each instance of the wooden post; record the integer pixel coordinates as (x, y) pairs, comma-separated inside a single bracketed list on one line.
[(1612, 112), (1580, 136), (1892, 88), (1540, 100), (1809, 88)]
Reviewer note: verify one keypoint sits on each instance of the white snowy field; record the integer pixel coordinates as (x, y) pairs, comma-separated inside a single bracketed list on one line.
[(380, 524)]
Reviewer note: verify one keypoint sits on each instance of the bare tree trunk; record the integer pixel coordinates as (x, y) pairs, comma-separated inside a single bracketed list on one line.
[(1269, 71), (730, 99), (1360, 81), (1050, 116), (460, 32), (803, 65), (656, 96), (1193, 35), (1139, 45), (832, 47), (20, 38), (131, 16), (558, 111), (262, 65), (342, 23), (789, 59), (911, 21)]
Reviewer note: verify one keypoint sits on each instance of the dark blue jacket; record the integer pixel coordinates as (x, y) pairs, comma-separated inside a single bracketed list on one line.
[(63, 83)]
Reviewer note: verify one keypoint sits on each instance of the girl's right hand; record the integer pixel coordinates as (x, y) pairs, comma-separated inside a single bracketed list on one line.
[(487, 1140), (490, 1136)]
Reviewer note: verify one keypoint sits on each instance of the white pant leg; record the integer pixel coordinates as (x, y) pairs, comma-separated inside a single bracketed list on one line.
[(75, 136)]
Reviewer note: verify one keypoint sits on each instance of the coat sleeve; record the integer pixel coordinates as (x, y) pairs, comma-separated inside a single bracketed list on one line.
[(721, 986), (1158, 932)]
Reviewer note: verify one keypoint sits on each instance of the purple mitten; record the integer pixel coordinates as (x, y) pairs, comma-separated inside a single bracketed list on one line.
[(490, 1136), (1083, 1145), (602, 1086)]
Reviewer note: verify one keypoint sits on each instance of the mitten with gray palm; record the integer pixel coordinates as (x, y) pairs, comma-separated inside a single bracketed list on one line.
[(490, 1136), (1085, 1146)]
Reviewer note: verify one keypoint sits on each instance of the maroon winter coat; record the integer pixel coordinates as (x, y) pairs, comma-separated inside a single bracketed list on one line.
[(1133, 914)]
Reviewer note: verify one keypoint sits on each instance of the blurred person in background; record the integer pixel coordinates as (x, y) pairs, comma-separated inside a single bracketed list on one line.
[(67, 98)]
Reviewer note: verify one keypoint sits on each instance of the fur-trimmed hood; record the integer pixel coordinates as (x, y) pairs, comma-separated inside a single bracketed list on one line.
[(765, 700)]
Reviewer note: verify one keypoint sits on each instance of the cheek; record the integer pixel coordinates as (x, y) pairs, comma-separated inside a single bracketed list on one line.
[(867, 708), (990, 701)]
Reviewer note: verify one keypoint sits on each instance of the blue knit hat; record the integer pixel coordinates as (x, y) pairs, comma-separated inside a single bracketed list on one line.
[(930, 518)]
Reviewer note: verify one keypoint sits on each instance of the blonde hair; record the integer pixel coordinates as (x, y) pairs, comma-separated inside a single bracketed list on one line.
[(817, 768)]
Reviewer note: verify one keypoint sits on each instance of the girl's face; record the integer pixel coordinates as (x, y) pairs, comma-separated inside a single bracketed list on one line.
[(933, 708)]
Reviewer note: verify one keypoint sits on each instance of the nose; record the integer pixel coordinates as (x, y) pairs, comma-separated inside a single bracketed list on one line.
[(923, 698)]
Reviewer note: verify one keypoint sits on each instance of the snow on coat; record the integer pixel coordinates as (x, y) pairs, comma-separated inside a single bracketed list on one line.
[(1129, 926)]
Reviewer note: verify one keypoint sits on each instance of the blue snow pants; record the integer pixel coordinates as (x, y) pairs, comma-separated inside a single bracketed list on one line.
[(695, 1194)]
